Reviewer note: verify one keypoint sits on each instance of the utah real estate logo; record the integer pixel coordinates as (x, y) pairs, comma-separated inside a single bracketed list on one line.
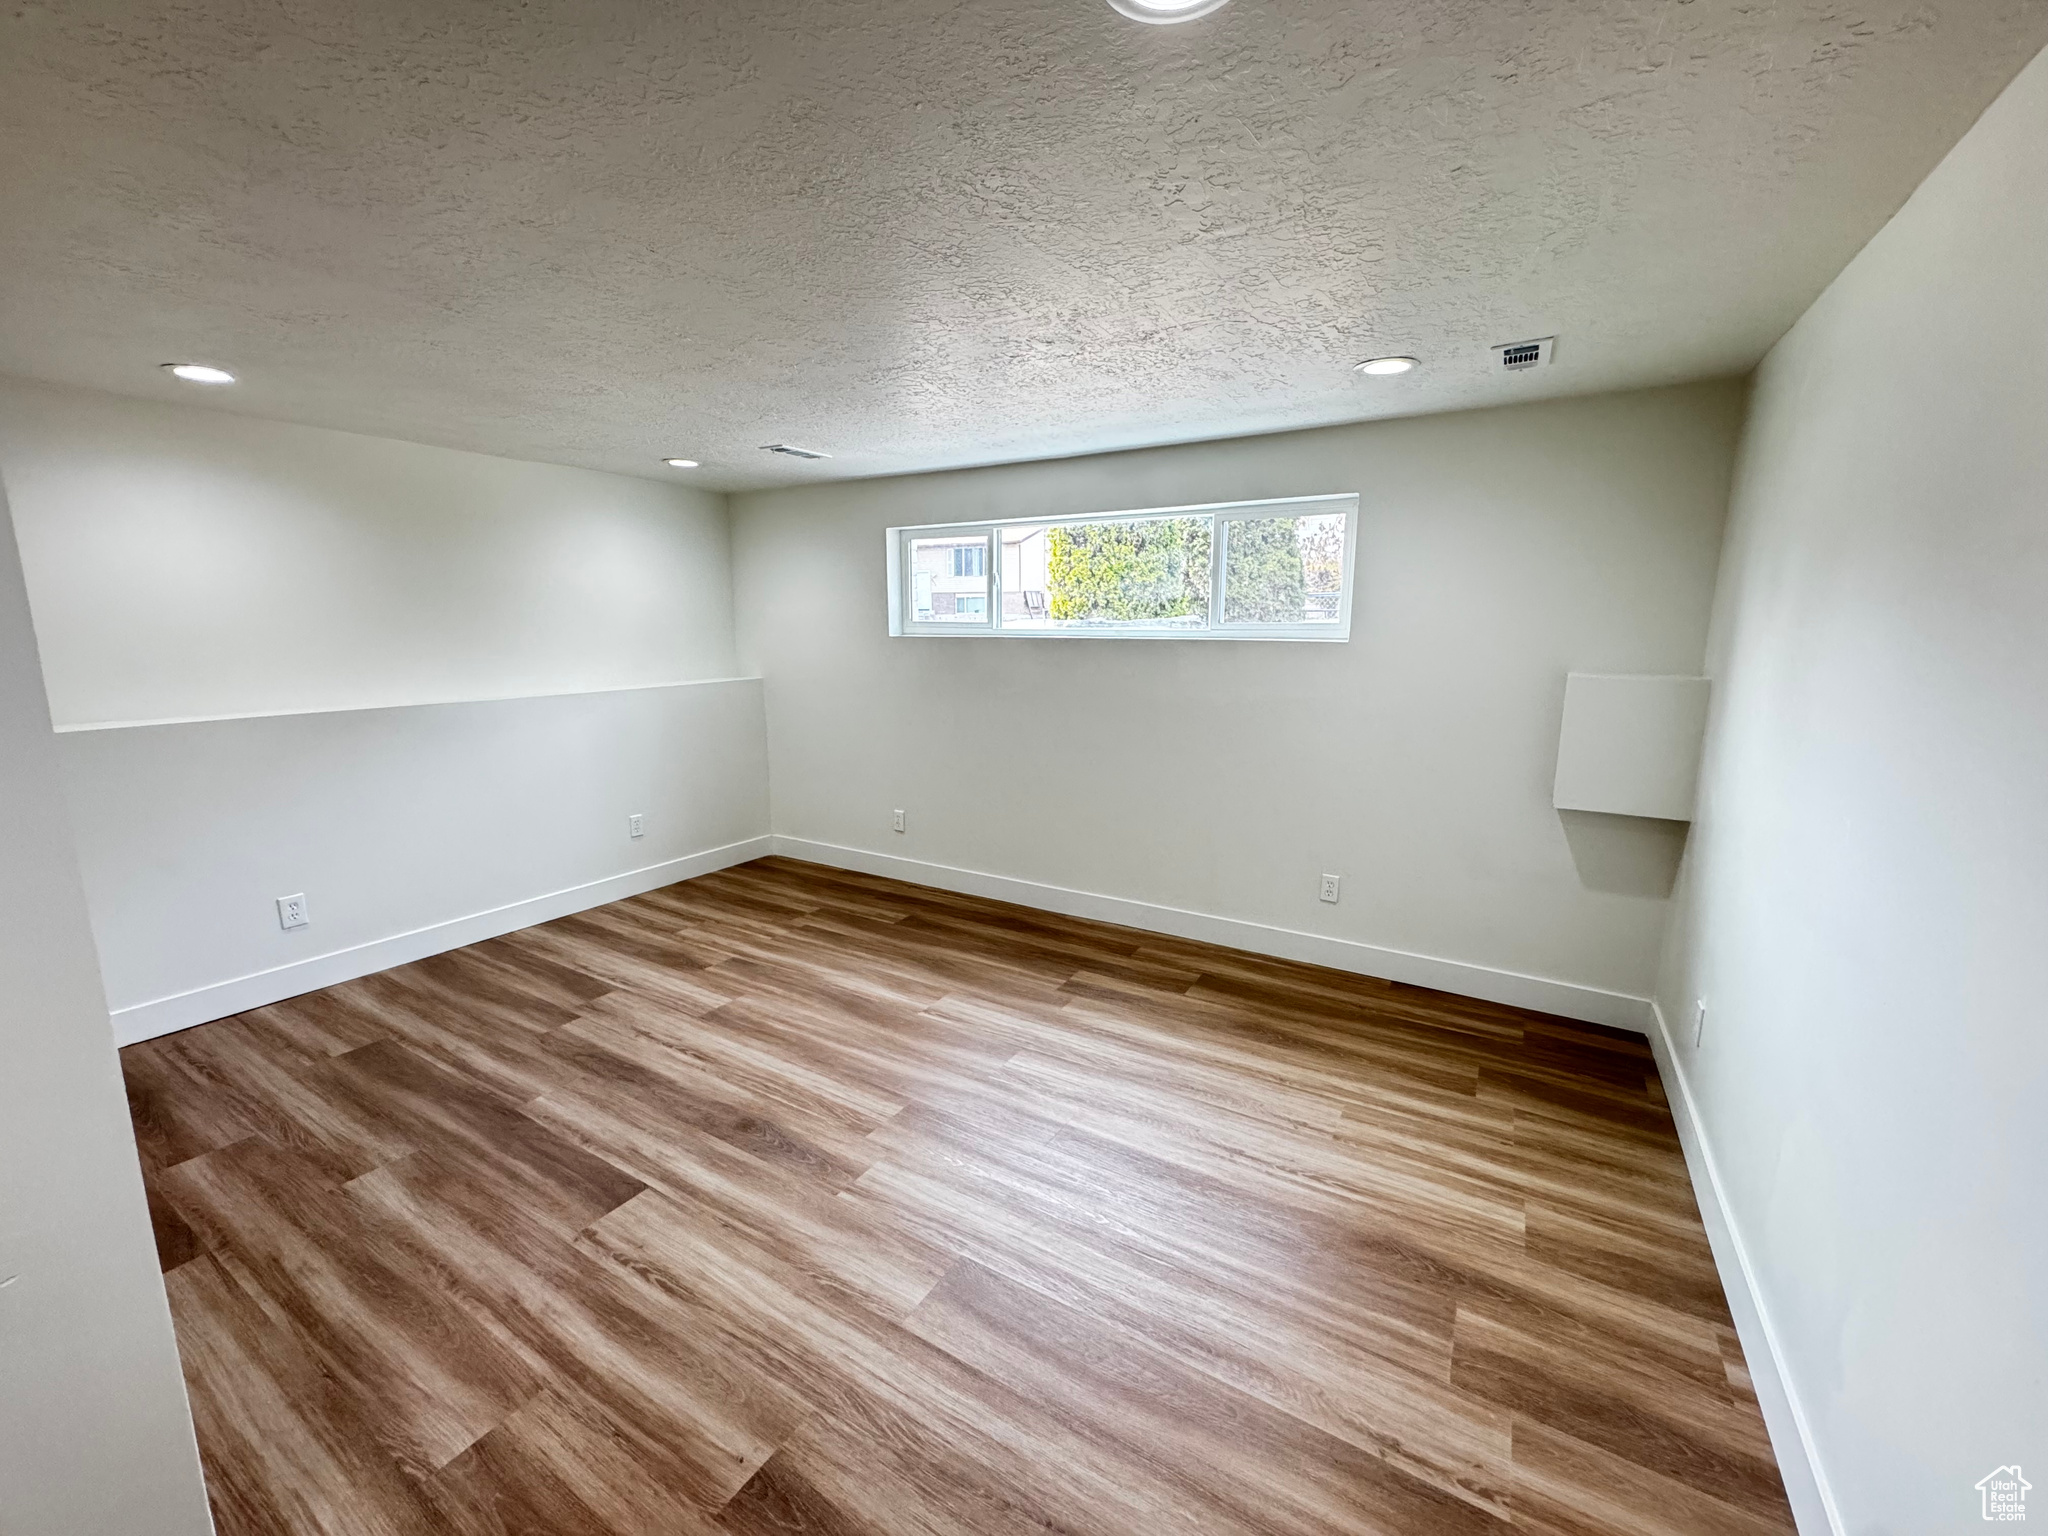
[(2005, 1494)]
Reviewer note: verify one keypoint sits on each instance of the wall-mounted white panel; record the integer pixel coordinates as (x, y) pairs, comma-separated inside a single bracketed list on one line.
[(1630, 746), (409, 830)]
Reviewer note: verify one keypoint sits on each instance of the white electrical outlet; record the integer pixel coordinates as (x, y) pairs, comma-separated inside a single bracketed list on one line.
[(1699, 1023), (291, 911), (1330, 887), (897, 820), (636, 825)]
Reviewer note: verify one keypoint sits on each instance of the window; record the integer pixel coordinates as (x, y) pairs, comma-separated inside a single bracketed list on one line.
[(948, 579), (1255, 570)]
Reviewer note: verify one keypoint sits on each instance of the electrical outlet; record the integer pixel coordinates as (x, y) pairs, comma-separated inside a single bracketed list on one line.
[(291, 911), (636, 825), (1699, 1023), (898, 820), (1330, 887)]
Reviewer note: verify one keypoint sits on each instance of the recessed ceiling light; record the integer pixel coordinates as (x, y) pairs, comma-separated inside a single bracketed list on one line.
[(1166, 12), (200, 373), (680, 463), (1385, 365)]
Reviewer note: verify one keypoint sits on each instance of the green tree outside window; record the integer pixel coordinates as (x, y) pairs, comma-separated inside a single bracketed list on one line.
[(1130, 572)]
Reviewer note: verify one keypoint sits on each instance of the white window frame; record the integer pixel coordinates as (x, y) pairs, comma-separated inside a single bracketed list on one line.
[(1221, 514)]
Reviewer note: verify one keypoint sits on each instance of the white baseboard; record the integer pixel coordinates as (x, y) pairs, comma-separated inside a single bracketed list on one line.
[(1806, 1483), (161, 1016), (1593, 1005)]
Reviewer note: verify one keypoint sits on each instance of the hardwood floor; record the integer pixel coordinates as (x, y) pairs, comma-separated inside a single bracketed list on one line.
[(790, 1200)]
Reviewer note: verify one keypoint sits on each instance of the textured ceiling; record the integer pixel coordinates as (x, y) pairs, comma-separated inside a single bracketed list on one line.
[(917, 233)]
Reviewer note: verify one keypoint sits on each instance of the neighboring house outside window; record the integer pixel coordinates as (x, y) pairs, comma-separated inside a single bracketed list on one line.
[(950, 578)]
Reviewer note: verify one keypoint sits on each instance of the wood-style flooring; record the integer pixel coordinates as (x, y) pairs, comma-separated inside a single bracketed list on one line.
[(790, 1200)]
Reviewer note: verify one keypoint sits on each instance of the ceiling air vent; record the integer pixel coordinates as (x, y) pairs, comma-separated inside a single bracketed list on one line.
[(791, 451), (1524, 354)]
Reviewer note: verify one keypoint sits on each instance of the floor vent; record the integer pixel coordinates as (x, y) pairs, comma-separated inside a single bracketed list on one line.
[(1524, 354), (791, 451)]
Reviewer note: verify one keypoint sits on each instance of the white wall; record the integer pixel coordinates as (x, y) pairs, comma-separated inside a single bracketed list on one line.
[(326, 615), (1864, 907), (1499, 550), (409, 831), (183, 563), (95, 1438)]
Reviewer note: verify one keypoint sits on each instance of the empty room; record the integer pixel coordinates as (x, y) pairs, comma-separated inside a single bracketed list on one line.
[(999, 767)]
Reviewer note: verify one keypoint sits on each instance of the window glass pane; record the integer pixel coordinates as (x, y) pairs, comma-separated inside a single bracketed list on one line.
[(1283, 570), (1135, 573), (1147, 573), (949, 579)]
